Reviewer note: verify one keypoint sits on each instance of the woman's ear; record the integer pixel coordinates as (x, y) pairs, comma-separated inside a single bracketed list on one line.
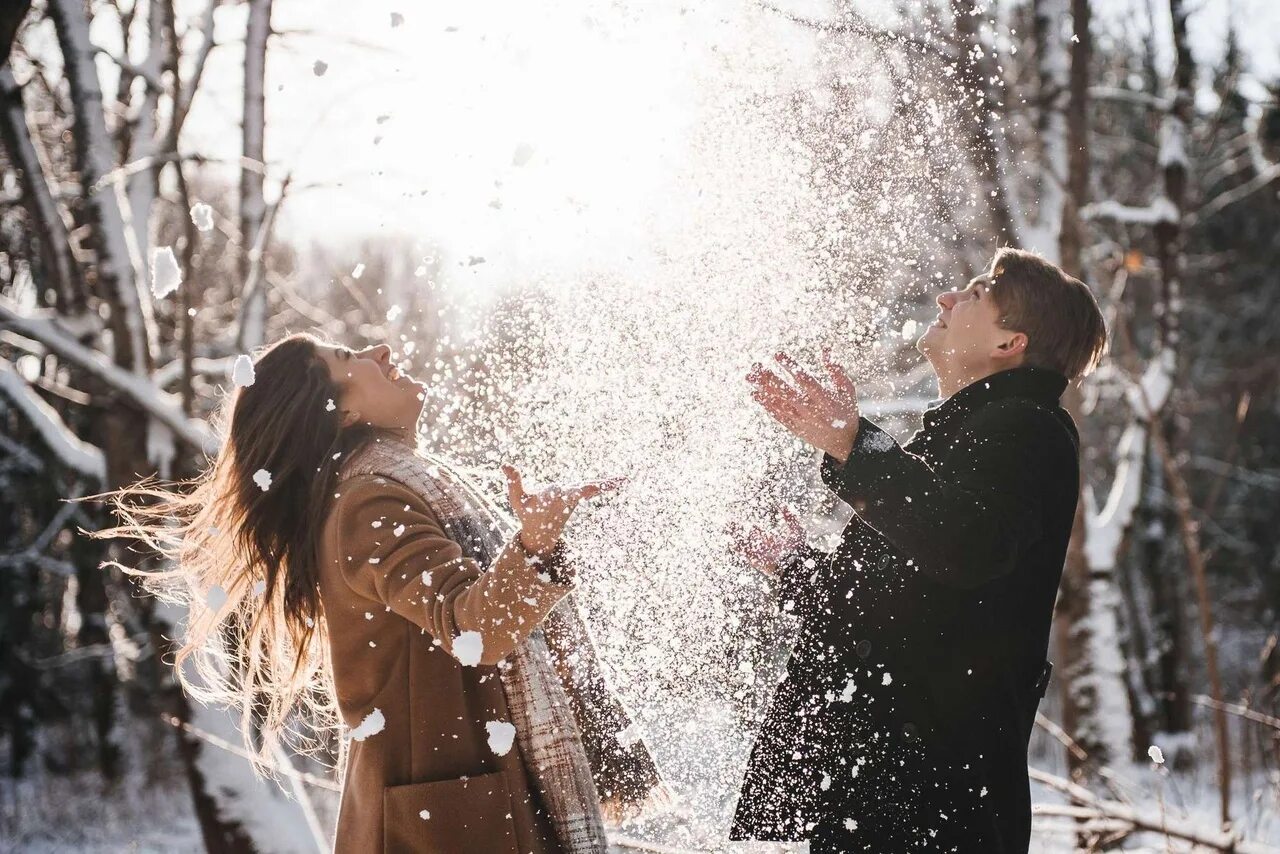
[(349, 417)]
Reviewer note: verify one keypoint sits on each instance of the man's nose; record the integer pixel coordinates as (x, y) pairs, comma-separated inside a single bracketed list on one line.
[(946, 300)]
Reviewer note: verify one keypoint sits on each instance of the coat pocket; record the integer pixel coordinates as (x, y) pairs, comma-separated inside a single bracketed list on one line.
[(461, 816)]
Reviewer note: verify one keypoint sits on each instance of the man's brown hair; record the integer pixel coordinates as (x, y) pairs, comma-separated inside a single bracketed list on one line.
[(1058, 313)]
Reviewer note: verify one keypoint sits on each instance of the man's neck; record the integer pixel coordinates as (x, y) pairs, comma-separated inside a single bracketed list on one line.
[(951, 381)]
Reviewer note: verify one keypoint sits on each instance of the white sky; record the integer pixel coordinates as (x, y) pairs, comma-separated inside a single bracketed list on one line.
[(537, 131)]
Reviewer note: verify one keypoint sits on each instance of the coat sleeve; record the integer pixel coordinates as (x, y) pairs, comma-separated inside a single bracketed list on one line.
[(394, 550), (968, 527)]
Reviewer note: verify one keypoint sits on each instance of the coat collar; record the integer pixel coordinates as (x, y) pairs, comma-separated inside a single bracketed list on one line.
[(1039, 384)]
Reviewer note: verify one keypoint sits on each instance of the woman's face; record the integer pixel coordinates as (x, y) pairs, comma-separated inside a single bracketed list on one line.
[(372, 390)]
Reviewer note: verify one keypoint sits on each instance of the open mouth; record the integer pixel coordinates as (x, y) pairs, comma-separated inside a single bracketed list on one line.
[(393, 373)]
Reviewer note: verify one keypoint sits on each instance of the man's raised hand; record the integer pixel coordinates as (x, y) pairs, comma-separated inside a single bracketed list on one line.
[(766, 550), (822, 413)]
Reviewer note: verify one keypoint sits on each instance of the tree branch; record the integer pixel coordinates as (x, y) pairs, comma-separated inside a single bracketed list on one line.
[(137, 388)]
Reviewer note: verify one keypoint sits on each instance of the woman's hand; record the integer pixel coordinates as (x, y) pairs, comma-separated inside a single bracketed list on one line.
[(543, 514), (766, 550)]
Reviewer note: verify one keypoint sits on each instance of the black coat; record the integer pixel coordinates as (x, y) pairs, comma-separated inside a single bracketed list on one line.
[(904, 719)]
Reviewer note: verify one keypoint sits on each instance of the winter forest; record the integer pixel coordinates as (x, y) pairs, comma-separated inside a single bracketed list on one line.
[(579, 224)]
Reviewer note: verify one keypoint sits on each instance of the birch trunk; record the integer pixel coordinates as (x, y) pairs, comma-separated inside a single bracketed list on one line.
[(253, 311)]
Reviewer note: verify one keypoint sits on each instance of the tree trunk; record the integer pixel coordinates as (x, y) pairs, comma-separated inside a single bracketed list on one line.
[(253, 311), (60, 268), (118, 269)]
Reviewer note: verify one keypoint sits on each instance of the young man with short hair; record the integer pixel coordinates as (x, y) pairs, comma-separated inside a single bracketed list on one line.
[(910, 695)]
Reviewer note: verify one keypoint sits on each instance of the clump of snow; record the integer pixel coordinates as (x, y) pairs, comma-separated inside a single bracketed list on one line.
[(202, 216), (320, 68), (373, 723), (357, 271), (1156, 754), (215, 598), (328, 405), (242, 372), (468, 647), (628, 735), (886, 680), (501, 736), (262, 478), (424, 814), (166, 275)]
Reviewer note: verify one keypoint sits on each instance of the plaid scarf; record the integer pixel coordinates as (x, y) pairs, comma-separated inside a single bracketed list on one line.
[(567, 720)]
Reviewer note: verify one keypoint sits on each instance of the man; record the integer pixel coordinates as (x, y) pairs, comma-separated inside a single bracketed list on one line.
[(904, 719)]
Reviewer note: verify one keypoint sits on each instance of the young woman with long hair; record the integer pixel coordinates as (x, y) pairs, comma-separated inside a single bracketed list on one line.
[(338, 578)]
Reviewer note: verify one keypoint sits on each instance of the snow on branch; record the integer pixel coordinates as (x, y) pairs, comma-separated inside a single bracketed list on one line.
[(1149, 394), (141, 390), (74, 453), (1160, 210), (169, 373), (1105, 529), (1089, 805)]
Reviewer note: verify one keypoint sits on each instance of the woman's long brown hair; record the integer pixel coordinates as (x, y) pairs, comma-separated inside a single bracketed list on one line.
[(243, 560)]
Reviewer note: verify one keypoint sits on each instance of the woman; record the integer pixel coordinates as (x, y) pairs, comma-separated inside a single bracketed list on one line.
[(335, 574)]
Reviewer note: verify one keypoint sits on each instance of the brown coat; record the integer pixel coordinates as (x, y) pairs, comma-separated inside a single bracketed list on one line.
[(394, 599)]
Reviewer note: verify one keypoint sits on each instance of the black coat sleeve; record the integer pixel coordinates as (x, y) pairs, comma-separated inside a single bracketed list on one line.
[(970, 526)]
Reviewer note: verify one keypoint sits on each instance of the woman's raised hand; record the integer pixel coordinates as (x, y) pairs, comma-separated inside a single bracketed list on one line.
[(543, 514)]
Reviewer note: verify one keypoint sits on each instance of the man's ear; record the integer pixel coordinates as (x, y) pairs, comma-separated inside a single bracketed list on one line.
[(1013, 346)]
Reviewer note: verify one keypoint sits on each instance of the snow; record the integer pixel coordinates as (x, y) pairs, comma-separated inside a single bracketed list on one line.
[(357, 271), (1151, 392), (202, 216), (373, 723), (262, 478), (1160, 210), (166, 275), (242, 372), (1173, 142), (468, 648), (1157, 756), (501, 736), (215, 598), (424, 814), (328, 406)]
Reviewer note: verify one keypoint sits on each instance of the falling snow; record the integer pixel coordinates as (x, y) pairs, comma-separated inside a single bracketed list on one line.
[(242, 372), (166, 275), (373, 723), (468, 648), (501, 736)]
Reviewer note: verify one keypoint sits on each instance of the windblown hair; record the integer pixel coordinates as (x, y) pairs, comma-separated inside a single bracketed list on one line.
[(243, 560), (1058, 313)]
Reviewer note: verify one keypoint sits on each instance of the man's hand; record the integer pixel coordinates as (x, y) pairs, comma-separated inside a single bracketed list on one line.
[(825, 417), (765, 550), (543, 514)]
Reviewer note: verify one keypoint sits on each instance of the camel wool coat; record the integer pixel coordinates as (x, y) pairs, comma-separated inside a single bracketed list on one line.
[(396, 591)]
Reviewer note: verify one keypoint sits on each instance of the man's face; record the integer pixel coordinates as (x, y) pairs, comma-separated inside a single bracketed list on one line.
[(965, 338)]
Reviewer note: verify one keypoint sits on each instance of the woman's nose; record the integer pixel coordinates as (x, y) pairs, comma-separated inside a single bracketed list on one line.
[(381, 354)]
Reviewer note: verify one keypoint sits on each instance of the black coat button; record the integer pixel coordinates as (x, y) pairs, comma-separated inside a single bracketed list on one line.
[(864, 648), (885, 560)]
